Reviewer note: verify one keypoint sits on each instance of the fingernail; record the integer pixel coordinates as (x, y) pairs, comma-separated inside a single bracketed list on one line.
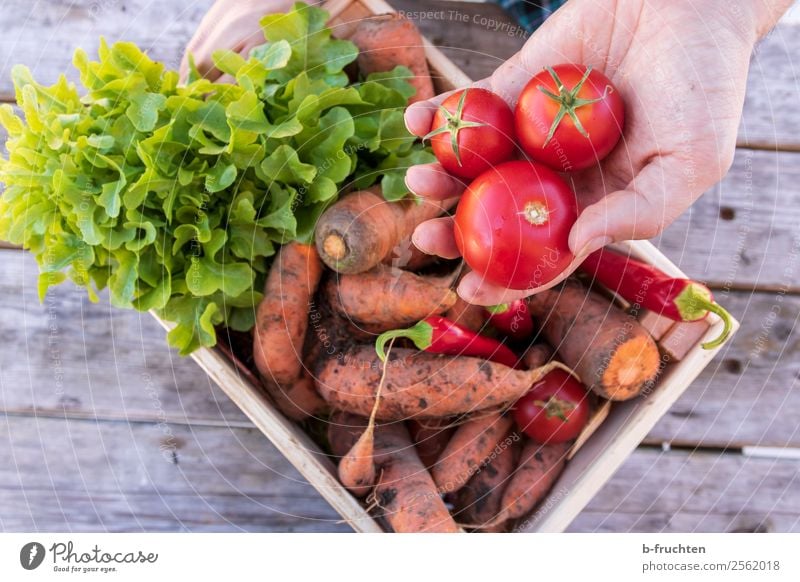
[(405, 122), (409, 172), (410, 111), (594, 244), (418, 240)]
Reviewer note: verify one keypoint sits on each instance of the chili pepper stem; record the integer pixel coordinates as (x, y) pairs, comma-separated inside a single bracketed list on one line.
[(694, 303), (420, 334), (498, 309), (726, 326)]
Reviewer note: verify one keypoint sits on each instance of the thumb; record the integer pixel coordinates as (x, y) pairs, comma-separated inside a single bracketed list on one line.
[(649, 203)]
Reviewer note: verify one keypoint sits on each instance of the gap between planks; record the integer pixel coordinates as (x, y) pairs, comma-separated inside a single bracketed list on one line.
[(112, 417)]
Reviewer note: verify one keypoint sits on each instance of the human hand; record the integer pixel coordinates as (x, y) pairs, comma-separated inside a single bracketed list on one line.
[(681, 68), (232, 25)]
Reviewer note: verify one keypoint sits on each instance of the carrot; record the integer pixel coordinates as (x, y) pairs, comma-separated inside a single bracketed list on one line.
[(538, 468), (344, 429), (479, 501), (430, 437), (609, 349), (297, 400), (357, 467), (537, 355), (471, 444), (363, 228), (405, 493), (389, 40), (406, 256), (386, 298), (420, 384), (331, 332), (282, 316)]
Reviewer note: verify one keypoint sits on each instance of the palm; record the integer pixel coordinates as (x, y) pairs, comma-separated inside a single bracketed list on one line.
[(683, 82), (671, 121)]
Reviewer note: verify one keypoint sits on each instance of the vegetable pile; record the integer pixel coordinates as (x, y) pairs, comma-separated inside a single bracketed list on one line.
[(175, 197), (276, 206)]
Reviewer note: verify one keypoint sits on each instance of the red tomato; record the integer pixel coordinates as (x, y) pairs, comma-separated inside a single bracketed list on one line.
[(473, 130), (569, 117), (512, 225), (554, 410)]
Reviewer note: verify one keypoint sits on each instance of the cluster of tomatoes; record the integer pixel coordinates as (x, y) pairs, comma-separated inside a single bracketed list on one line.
[(513, 222)]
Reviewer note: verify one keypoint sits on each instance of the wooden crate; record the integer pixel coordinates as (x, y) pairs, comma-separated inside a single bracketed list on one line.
[(625, 427)]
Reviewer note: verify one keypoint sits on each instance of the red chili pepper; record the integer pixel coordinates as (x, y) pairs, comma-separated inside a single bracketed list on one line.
[(645, 285), (513, 319), (439, 335)]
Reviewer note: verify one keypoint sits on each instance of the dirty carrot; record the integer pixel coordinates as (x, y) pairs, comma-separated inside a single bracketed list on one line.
[(420, 384), (640, 283), (609, 350), (471, 445), (343, 431), (512, 319), (389, 40), (406, 256), (538, 468), (385, 298), (479, 501), (439, 335), (282, 315), (357, 467), (297, 400), (430, 437), (405, 494), (362, 229)]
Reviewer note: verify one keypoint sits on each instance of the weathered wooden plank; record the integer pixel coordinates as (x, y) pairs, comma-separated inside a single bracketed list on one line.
[(771, 87), (114, 364), (685, 522), (85, 476), (677, 491), (743, 233), (749, 395), (150, 476), (76, 511), (43, 34), (477, 37), (72, 356)]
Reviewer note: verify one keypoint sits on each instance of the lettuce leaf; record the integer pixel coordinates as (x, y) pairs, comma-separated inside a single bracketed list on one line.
[(176, 197)]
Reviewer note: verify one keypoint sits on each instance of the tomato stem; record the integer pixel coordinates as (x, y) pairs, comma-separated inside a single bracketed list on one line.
[(555, 407), (536, 213), (455, 123), (569, 101)]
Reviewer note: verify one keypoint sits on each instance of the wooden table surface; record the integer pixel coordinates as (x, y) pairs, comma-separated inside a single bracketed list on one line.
[(102, 427)]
